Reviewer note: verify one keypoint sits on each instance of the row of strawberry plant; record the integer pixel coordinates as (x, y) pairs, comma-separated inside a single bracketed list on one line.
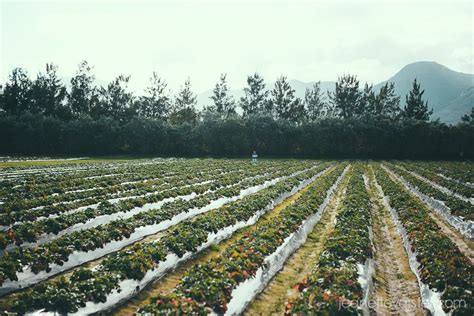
[(18, 202), (168, 188), (77, 177), (432, 176), (209, 287), (49, 182), (457, 206), (96, 284), (29, 231), (461, 172), (333, 283), (145, 177), (59, 250), (443, 268), (65, 207), (35, 195)]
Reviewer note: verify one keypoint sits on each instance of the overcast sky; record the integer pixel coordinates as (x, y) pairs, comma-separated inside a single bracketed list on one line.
[(305, 40)]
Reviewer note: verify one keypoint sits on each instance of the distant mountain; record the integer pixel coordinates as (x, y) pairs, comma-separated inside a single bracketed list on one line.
[(449, 93), (458, 107)]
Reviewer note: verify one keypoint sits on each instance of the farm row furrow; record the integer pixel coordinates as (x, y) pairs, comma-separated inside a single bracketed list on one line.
[(341, 280), (107, 212), (396, 289), (142, 185), (170, 187), (459, 213), (444, 273), (272, 300), (119, 275), (463, 173), (55, 189), (442, 183), (28, 266), (49, 181), (231, 236), (45, 188), (228, 282)]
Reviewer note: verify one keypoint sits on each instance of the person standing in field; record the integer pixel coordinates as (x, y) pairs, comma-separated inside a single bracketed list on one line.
[(254, 157)]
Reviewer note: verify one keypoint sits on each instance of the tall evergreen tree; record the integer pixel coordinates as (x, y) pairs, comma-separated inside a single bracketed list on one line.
[(223, 102), (116, 100), (49, 94), (15, 97), (346, 98), (368, 101), (255, 99), (184, 109), (315, 102), (84, 95), (416, 108), (284, 102), (156, 103), (387, 102)]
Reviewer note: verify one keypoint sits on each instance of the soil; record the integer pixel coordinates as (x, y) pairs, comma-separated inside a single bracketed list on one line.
[(396, 290)]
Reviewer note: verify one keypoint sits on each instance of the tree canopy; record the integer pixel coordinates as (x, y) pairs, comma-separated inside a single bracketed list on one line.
[(255, 100), (223, 102), (43, 115), (415, 107)]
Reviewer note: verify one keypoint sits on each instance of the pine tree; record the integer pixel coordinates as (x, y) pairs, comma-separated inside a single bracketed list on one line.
[(156, 103), (415, 107), (368, 101), (315, 102), (84, 95), (346, 98), (255, 99), (284, 102), (16, 94), (184, 106), (223, 102), (116, 100), (387, 103), (49, 94)]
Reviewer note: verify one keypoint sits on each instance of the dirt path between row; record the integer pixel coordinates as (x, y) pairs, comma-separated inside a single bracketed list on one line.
[(396, 290), (438, 186), (4, 301), (465, 245), (273, 299), (171, 280)]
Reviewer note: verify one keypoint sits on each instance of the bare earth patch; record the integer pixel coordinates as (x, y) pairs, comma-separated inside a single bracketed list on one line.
[(395, 285)]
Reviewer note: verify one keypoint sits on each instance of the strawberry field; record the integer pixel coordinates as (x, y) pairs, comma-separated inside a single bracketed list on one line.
[(227, 236)]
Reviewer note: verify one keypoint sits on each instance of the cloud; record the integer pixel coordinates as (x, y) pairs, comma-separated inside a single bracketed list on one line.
[(305, 40)]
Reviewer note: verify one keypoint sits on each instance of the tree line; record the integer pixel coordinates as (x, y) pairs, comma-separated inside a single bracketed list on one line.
[(44, 116)]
